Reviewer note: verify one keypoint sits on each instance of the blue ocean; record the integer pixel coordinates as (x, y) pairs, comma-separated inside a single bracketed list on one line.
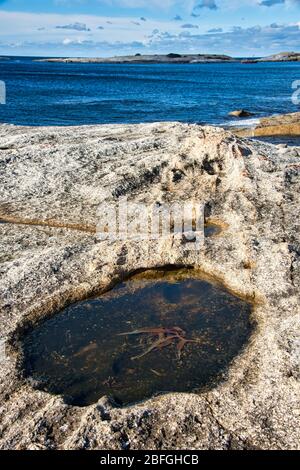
[(41, 93)]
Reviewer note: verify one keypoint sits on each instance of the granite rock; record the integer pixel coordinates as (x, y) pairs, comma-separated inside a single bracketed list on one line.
[(52, 181)]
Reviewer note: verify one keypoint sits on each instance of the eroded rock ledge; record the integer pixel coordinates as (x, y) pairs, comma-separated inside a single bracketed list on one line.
[(56, 178), (278, 125)]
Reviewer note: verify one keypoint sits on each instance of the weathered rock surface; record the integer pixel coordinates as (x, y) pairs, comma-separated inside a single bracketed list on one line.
[(284, 124), (55, 179), (279, 125)]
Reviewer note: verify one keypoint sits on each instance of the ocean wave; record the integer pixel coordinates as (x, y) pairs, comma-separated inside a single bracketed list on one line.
[(97, 101), (243, 123)]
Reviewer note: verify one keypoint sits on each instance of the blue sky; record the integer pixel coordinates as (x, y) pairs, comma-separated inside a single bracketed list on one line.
[(117, 27)]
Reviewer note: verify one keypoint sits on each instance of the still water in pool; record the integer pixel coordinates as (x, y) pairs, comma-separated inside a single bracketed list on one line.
[(159, 331)]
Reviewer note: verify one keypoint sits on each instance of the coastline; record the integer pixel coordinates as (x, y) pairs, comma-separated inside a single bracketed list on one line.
[(272, 126), (276, 125)]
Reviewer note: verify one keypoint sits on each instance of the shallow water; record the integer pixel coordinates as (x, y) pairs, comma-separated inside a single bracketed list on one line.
[(292, 141), (211, 230), (80, 354)]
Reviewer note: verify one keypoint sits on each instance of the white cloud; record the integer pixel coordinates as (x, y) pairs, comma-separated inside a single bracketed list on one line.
[(67, 41), (20, 26), (151, 4), (37, 34), (74, 26), (257, 40), (189, 26), (210, 4)]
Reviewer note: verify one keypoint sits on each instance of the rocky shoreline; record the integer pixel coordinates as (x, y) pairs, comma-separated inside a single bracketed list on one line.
[(278, 125), (52, 181), (282, 57)]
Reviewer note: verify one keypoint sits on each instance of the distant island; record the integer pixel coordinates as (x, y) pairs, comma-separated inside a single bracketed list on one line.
[(281, 57), (148, 59), (173, 58)]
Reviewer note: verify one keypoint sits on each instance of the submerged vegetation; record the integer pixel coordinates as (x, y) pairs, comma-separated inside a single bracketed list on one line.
[(165, 337)]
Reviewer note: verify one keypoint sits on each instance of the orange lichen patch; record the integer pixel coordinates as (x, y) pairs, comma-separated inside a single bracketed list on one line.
[(48, 223)]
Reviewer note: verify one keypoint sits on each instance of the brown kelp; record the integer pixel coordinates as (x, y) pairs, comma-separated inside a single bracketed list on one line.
[(165, 338)]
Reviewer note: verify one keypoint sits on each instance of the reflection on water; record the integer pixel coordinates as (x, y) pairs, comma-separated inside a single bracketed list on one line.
[(211, 230), (159, 331)]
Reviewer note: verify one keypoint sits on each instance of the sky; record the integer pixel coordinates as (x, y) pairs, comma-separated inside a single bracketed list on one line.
[(102, 28)]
